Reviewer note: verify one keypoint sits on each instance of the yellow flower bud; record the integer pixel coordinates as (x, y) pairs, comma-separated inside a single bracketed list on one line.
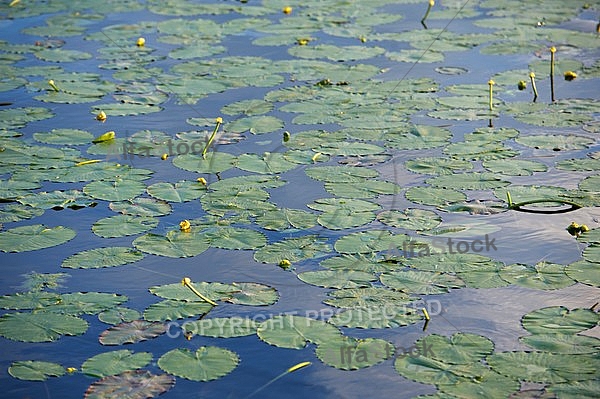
[(202, 181), (287, 10), (140, 42), (101, 116), (164, 156), (363, 39), (522, 85), (302, 41), (583, 228), (185, 226), (553, 49), (491, 82), (71, 370), (53, 85), (285, 264), (570, 75), (286, 137), (531, 75)]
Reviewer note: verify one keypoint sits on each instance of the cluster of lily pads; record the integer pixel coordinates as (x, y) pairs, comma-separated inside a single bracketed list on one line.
[(328, 112)]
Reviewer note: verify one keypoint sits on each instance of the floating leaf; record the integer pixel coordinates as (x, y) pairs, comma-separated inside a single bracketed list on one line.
[(117, 190), (542, 367), (123, 225), (57, 200), (182, 191), (35, 370), (234, 238), (545, 276), (175, 244), (30, 238), (562, 343), (337, 278), (347, 353), (584, 272), (172, 310), (16, 212), (102, 257), (386, 316), (559, 320), (142, 207), (222, 327), (205, 364), (410, 219), (366, 297), (115, 362), (434, 196), (118, 315), (514, 167), (418, 282), (40, 327), (293, 249), (137, 384), (131, 332), (295, 332), (253, 294)]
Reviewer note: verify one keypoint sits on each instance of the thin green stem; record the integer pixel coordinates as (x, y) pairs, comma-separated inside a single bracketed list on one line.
[(535, 93), (212, 137), (491, 84), (552, 51), (431, 4)]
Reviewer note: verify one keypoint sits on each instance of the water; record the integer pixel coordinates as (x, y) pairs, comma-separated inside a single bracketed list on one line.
[(494, 313)]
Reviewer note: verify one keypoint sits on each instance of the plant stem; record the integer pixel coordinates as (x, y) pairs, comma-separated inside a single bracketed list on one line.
[(535, 94), (188, 283), (552, 51), (212, 137), (431, 4), (491, 83)]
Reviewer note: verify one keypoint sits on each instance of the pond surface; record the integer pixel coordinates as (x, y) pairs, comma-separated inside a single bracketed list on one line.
[(351, 199)]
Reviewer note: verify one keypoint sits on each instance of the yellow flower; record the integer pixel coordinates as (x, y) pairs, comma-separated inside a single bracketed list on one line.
[(164, 156), (570, 75), (531, 75), (140, 42), (363, 39), (185, 226), (491, 82), (71, 370), (287, 10), (14, 3), (303, 41), (553, 49), (583, 228), (219, 120), (431, 3), (286, 136), (522, 85), (202, 181), (574, 229), (101, 116), (285, 264), (53, 85)]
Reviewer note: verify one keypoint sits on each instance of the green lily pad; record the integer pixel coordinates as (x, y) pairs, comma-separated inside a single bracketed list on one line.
[(542, 367), (102, 257), (555, 142), (252, 294), (77, 303), (30, 238), (215, 162), (410, 219), (584, 272), (182, 191), (366, 297), (545, 276), (57, 200), (40, 327), (562, 343), (468, 181), (285, 218), (295, 332), (16, 212), (234, 238), (255, 125), (337, 278), (434, 196), (386, 316), (368, 241), (177, 291), (205, 364), (293, 249), (142, 207), (437, 166), (341, 174), (348, 353), (370, 263), (268, 163), (123, 225), (559, 320), (115, 362), (172, 310), (418, 282), (222, 327), (174, 244), (64, 136), (118, 315), (514, 167), (35, 370), (117, 190)]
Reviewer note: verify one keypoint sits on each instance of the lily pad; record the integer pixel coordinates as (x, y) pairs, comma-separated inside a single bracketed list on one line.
[(410, 219), (347, 353), (123, 225), (115, 362), (172, 310), (559, 320), (295, 332), (545, 276), (418, 282), (131, 332), (32, 237), (205, 364), (175, 244), (293, 249), (137, 384), (222, 327), (182, 191), (40, 327), (337, 278), (102, 257), (35, 370)]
